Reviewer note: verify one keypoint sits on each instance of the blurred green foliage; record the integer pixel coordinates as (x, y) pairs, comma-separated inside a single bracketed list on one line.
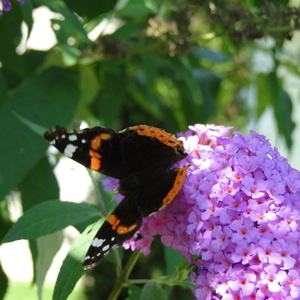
[(157, 62)]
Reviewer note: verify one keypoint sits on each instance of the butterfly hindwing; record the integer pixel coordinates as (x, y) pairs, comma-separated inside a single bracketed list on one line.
[(118, 227), (155, 187)]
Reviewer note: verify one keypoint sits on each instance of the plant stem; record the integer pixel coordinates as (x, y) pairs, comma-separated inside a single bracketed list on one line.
[(124, 275)]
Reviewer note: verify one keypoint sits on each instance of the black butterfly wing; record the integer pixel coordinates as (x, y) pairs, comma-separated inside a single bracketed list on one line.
[(158, 188), (144, 146), (118, 154), (97, 148), (118, 227)]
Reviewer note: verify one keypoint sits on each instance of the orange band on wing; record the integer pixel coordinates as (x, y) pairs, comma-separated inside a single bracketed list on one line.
[(124, 229), (96, 142), (95, 163), (153, 132), (178, 183), (114, 222)]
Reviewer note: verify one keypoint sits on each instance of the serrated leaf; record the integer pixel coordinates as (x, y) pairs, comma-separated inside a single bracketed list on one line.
[(152, 290), (48, 217)]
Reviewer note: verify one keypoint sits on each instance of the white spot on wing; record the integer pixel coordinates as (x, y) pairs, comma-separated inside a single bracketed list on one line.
[(83, 141), (105, 248), (72, 137), (70, 149), (97, 242)]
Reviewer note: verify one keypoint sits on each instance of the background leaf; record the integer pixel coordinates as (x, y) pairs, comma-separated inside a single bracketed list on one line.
[(152, 290), (72, 270), (4, 283), (36, 98), (47, 247), (53, 216)]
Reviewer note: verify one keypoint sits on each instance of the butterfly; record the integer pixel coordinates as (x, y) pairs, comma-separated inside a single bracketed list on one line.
[(141, 157)]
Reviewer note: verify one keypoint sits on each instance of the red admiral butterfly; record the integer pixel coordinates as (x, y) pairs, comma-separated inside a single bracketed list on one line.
[(140, 157)]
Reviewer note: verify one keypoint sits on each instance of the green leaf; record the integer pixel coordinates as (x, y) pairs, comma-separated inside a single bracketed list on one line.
[(184, 71), (12, 64), (153, 5), (91, 9), (209, 84), (129, 30), (134, 292), (132, 8), (89, 85), (5, 222), (108, 104), (3, 89), (152, 290), (71, 20), (33, 126), (269, 88), (218, 57), (40, 185), (63, 32), (4, 283), (172, 257), (264, 99), (49, 99), (48, 217), (283, 107), (47, 247), (71, 270), (27, 9)]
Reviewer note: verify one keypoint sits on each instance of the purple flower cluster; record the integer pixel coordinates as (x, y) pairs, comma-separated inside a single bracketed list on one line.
[(237, 218), (5, 5)]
